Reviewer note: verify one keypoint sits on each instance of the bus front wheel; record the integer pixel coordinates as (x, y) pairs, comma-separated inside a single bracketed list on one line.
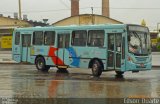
[(119, 73), (41, 65), (96, 68)]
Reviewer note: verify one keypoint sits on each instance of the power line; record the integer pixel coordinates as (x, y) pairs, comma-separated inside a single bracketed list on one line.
[(130, 8), (138, 8), (37, 11), (43, 11)]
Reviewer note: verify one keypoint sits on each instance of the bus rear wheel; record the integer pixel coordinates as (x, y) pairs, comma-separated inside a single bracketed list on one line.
[(41, 64), (96, 68), (62, 70)]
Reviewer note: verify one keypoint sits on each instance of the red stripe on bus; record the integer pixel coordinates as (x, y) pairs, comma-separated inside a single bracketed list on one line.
[(55, 59)]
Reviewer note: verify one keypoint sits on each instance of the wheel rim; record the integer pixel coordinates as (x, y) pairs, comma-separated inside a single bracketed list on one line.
[(95, 68), (40, 64)]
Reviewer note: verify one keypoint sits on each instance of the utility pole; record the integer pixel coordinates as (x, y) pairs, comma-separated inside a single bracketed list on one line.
[(92, 10), (20, 12), (92, 15)]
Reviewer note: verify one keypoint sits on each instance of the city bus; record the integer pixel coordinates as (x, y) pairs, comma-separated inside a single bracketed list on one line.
[(105, 47)]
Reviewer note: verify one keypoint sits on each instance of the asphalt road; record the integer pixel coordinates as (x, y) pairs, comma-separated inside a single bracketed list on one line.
[(24, 81)]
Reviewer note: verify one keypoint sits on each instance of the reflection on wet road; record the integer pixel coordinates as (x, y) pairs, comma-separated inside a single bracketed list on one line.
[(24, 81)]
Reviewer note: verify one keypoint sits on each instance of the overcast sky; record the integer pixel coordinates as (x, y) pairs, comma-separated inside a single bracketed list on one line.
[(127, 11)]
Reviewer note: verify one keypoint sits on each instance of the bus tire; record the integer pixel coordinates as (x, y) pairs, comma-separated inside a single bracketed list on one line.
[(96, 68), (41, 64), (119, 73), (47, 67), (62, 70)]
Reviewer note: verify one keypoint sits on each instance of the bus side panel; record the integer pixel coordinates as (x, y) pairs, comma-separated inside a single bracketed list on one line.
[(32, 59), (81, 56), (44, 52)]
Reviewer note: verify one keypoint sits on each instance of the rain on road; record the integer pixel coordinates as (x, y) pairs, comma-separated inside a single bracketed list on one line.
[(24, 81)]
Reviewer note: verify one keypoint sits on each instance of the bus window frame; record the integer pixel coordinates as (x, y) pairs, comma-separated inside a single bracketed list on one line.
[(44, 35), (33, 43), (86, 37), (89, 41), (15, 42)]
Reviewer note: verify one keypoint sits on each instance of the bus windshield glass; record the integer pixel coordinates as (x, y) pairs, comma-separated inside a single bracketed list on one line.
[(139, 40)]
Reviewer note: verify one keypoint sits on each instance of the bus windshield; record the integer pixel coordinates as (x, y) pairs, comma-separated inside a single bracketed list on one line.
[(139, 42)]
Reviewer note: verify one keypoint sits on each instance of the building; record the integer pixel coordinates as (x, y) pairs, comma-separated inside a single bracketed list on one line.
[(87, 19), (7, 25)]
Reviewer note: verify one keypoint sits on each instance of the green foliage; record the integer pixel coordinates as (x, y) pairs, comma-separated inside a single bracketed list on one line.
[(158, 39), (158, 47)]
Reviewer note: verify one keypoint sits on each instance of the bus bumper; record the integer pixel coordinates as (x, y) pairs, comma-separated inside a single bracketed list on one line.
[(138, 66)]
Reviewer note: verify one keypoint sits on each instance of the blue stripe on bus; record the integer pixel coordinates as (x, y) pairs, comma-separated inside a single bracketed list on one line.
[(76, 59)]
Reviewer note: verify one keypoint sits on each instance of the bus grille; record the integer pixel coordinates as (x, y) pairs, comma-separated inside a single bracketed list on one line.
[(141, 59)]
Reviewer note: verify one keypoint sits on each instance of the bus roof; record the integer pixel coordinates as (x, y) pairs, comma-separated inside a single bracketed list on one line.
[(98, 26)]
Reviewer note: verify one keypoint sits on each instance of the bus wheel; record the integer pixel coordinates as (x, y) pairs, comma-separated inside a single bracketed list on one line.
[(62, 70), (47, 68), (41, 65), (96, 68), (119, 73)]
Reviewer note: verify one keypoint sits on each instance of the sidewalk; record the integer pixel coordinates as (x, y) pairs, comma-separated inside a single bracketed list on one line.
[(6, 58), (155, 53), (156, 59)]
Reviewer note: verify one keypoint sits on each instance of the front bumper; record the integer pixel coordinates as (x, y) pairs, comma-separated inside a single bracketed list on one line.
[(130, 66)]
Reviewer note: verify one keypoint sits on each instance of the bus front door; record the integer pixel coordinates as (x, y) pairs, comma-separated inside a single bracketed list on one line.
[(114, 51), (62, 53), (26, 42)]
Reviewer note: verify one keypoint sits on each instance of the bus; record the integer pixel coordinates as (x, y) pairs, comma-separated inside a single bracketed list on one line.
[(105, 47)]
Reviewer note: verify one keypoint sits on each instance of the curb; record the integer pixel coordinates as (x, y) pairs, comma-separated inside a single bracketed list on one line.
[(9, 63)]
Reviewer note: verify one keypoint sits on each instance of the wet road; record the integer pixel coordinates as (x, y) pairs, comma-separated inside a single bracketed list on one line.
[(24, 81)]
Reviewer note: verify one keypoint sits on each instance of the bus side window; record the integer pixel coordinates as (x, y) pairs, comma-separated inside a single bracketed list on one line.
[(96, 38), (79, 38), (123, 48), (118, 42), (38, 38), (73, 38), (17, 38), (111, 42), (49, 38), (60, 41)]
